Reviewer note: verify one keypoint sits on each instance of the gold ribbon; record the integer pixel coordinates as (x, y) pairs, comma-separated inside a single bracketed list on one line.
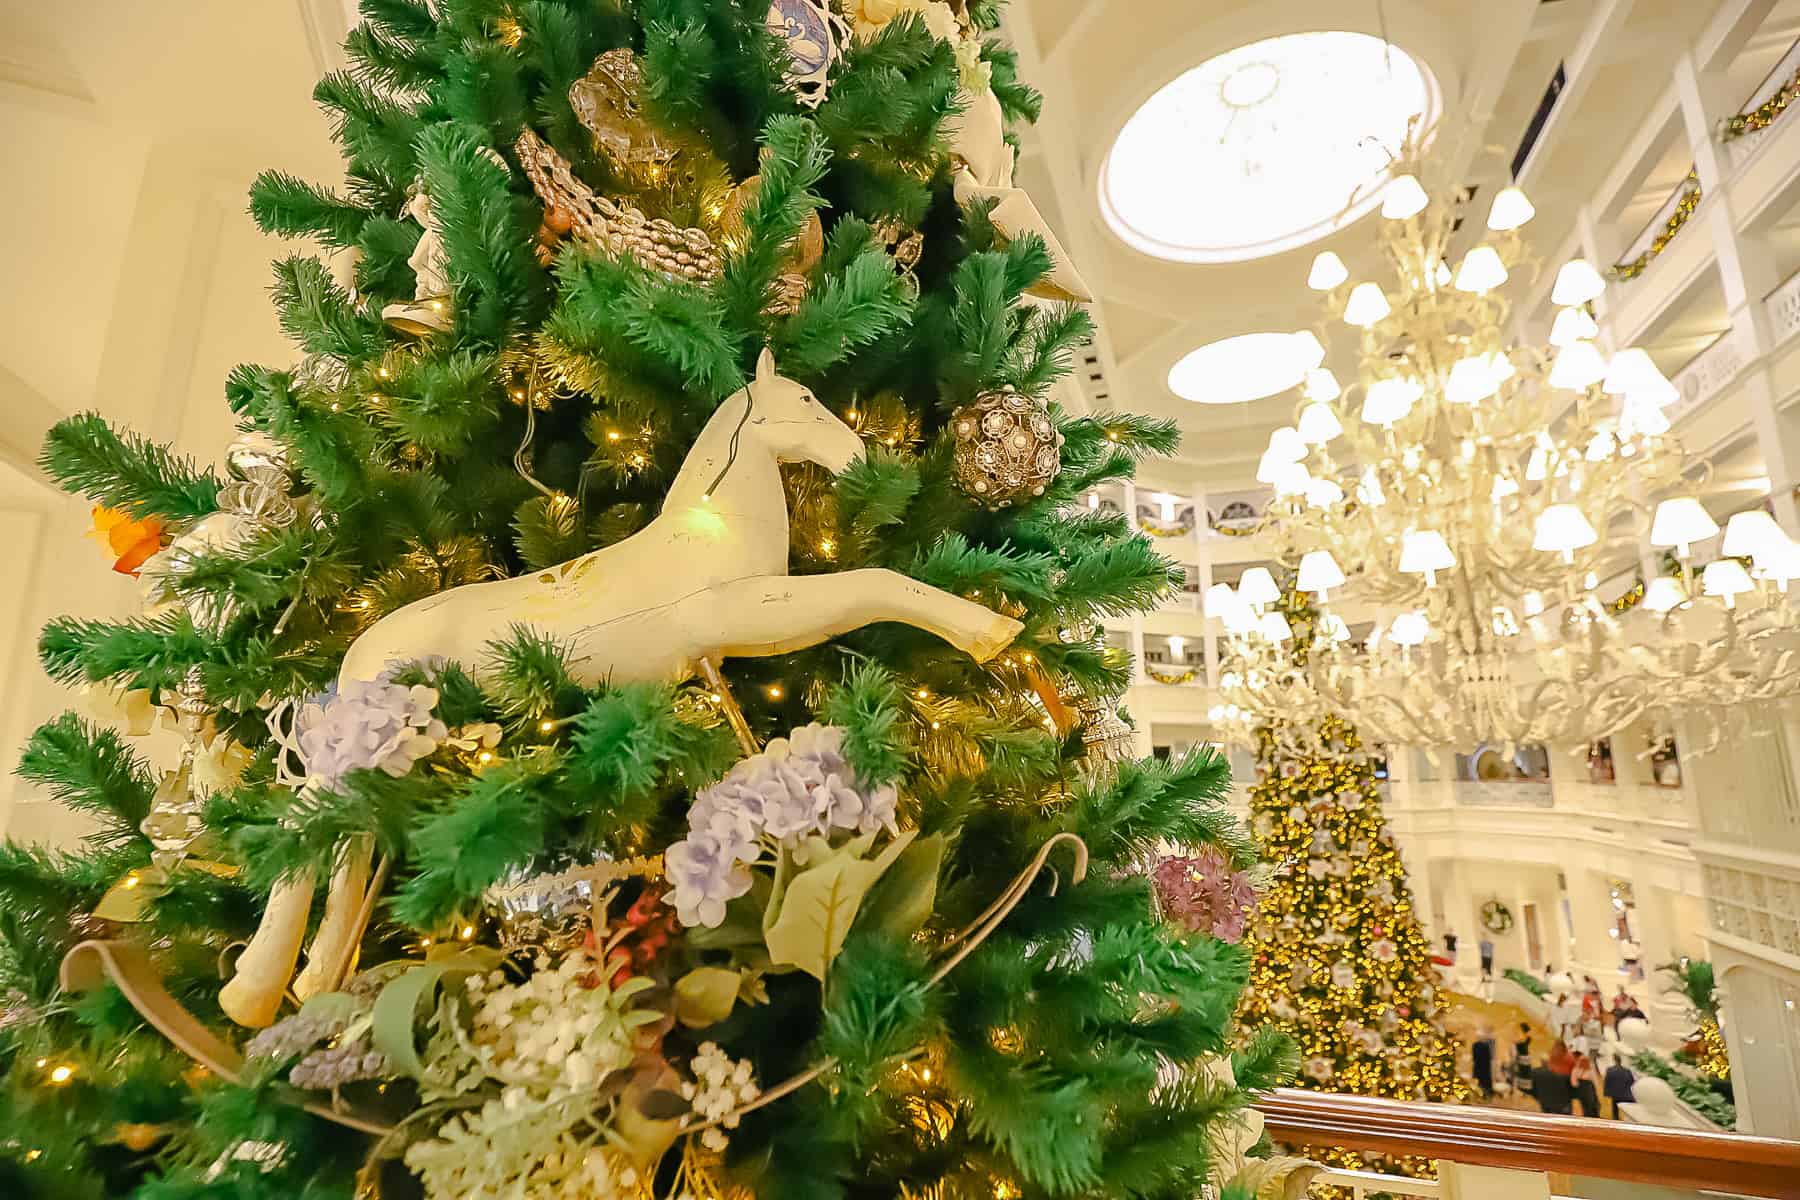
[(92, 963)]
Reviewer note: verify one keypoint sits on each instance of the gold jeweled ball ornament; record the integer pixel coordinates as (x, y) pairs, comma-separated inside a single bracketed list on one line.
[(1007, 448)]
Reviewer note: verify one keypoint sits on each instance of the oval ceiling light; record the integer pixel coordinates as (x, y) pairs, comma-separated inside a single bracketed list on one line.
[(1249, 367), (1264, 148)]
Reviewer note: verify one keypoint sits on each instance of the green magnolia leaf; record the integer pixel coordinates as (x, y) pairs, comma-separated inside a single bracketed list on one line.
[(705, 996), (819, 904), (397, 1007), (903, 900)]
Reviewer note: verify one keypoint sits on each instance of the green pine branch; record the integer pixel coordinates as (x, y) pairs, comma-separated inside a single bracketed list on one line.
[(85, 454)]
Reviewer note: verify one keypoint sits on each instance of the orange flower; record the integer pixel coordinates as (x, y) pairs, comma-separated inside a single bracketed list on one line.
[(132, 541)]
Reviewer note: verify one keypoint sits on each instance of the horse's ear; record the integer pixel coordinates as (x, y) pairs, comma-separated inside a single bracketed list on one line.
[(765, 366)]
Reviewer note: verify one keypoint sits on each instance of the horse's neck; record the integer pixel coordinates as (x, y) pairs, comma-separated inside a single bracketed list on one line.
[(750, 488)]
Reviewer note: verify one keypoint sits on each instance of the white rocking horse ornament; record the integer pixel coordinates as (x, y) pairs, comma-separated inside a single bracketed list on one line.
[(707, 579)]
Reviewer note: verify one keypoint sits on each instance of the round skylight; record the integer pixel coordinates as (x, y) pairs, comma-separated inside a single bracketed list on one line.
[(1240, 369), (1263, 148)]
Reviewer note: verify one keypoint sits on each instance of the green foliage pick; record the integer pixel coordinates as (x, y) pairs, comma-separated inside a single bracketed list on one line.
[(811, 916)]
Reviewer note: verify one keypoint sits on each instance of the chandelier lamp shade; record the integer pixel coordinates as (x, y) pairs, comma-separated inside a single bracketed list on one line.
[(1481, 499), (1572, 325), (1578, 366), (1633, 374), (1321, 385), (1319, 573), (1328, 271), (1680, 522), (1405, 197), (1753, 534), (1481, 270), (1562, 529), (1318, 424), (1424, 552), (1727, 579), (1257, 587), (1367, 305), (1510, 210), (1577, 283), (1386, 401)]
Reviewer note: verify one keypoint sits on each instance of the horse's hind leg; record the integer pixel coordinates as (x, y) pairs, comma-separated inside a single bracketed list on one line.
[(776, 614)]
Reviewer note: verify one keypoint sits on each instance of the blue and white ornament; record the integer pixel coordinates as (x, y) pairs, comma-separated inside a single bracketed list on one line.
[(815, 37)]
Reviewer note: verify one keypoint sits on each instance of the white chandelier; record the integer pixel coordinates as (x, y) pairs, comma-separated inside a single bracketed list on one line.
[(1472, 492)]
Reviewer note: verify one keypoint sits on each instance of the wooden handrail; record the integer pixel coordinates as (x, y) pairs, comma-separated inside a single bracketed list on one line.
[(1488, 1137)]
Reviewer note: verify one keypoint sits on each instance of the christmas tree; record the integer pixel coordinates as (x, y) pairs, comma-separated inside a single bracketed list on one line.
[(644, 730), (1339, 961)]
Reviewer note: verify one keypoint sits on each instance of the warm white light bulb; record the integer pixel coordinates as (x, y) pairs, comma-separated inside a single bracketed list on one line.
[(1367, 305), (1328, 270), (1481, 270), (1510, 210), (1405, 197), (1577, 283)]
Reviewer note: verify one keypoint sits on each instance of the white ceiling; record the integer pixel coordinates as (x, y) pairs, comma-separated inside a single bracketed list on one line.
[(1097, 60)]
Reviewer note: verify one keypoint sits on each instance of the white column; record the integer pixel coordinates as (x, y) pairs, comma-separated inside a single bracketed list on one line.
[(1747, 274), (1203, 537)]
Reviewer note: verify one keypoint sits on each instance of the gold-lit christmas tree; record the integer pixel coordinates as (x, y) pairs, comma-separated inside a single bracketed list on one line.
[(1339, 961)]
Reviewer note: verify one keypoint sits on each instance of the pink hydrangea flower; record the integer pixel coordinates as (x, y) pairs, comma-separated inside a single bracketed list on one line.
[(1205, 894)]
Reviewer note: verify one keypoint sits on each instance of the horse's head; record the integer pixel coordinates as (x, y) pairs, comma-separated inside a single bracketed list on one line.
[(789, 420)]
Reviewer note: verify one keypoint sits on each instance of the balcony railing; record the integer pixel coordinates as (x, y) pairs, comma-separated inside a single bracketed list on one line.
[(1661, 229), (1531, 1145), (1773, 96)]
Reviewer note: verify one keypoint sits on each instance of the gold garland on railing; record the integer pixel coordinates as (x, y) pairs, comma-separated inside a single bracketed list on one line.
[(1629, 599), (1229, 531), (1158, 529), (1684, 208), (1763, 115), (1187, 676)]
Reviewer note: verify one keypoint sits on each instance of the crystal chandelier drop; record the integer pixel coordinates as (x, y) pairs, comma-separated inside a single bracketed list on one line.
[(1468, 493)]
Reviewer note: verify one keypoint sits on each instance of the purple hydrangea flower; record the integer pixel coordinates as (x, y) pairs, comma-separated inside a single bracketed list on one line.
[(706, 874), (800, 786), (1203, 893), (367, 725)]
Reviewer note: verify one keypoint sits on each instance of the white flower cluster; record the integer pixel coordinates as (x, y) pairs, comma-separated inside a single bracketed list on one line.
[(515, 1147), (720, 1086), (564, 1029)]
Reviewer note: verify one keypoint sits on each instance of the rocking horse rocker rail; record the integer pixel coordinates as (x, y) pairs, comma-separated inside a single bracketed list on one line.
[(706, 580)]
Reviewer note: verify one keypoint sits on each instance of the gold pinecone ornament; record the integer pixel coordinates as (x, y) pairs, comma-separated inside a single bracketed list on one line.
[(1008, 449)]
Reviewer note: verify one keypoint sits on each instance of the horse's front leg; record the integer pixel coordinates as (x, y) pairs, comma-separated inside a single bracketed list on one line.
[(777, 614)]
